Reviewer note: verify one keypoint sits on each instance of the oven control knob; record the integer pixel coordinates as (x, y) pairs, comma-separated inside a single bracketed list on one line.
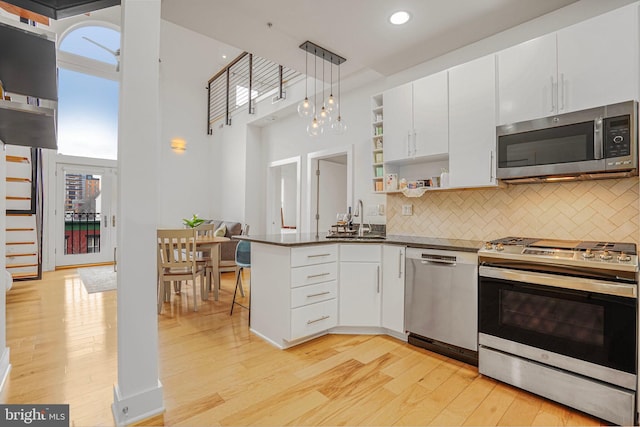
[(499, 247), (624, 257), (587, 254), (488, 246), (605, 255)]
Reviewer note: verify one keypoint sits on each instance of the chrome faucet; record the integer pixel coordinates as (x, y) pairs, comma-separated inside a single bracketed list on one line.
[(360, 212)]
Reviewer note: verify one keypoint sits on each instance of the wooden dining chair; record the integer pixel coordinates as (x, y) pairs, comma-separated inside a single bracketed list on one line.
[(203, 257), (177, 263)]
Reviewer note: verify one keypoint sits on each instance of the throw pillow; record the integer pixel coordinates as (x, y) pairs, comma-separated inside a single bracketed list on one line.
[(220, 231)]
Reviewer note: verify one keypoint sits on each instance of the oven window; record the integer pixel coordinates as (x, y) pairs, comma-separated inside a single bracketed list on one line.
[(596, 328), (571, 320)]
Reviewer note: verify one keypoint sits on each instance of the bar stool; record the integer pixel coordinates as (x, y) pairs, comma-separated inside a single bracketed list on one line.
[(243, 259)]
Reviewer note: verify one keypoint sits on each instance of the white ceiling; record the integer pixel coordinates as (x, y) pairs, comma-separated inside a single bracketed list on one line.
[(358, 30)]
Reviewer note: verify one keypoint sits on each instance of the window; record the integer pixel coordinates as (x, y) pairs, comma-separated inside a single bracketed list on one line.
[(88, 93)]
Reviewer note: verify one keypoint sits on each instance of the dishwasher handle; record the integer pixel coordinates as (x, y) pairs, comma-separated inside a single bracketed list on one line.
[(439, 259)]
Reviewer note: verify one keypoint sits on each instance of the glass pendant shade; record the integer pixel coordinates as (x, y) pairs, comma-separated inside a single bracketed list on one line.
[(338, 126), (323, 117), (306, 108), (314, 129), (331, 104)]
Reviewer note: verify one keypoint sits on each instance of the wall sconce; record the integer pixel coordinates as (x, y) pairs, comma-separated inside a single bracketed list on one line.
[(178, 145)]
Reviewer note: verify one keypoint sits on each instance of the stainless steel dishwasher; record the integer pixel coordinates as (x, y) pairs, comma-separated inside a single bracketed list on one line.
[(441, 302)]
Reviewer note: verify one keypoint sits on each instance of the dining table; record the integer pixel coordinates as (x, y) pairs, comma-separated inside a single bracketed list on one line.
[(211, 244)]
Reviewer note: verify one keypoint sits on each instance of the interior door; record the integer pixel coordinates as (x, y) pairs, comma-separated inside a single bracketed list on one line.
[(85, 214)]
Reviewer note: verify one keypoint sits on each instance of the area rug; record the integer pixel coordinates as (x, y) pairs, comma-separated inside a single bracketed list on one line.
[(98, 279)]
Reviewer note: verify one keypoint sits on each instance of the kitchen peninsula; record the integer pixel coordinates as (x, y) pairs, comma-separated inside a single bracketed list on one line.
[(305, 286)]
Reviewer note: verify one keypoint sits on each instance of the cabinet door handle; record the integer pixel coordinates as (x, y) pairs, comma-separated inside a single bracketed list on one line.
[(317, 255), (400, 264), (409, 144), (318, 294), (491, 167), (319, 319), (312, 276), (553, 105), (378, 277)]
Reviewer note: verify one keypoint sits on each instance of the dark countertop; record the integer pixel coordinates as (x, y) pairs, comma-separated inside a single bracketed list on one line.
[(295, 239)]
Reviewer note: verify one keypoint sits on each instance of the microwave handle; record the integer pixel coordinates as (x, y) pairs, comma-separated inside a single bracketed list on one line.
[(597, 139)]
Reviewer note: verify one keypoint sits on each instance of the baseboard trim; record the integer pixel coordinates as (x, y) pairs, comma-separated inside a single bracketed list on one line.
[(138, 407)]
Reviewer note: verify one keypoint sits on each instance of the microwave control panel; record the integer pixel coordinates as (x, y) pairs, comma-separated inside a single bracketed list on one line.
[(617, 137)]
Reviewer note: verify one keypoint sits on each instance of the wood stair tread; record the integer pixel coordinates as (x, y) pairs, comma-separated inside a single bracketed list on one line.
[(20, 229), (20, 243), (14, 179), (17, 159), (21, 254), (21, 265), (18, 198), (23, 275)]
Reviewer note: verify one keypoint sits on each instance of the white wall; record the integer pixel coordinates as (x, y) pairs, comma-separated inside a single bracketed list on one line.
[(189, 182), (289, 188)]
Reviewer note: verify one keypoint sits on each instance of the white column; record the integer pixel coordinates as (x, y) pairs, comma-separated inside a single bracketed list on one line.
[(138, 393)]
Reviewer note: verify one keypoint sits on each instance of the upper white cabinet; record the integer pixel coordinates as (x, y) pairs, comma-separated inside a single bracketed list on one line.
[(592, 63), (398, 122), (598, 60), (416, 119), (472, 123)]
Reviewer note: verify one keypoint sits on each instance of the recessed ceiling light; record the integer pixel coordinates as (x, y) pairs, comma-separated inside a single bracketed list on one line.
[(400, 17), (224, 56)]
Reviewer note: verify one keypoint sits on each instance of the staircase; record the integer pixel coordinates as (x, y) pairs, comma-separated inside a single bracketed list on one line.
[(23, 242)]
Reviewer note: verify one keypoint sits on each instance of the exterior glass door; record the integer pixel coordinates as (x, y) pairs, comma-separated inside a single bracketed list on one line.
[(85, 215)]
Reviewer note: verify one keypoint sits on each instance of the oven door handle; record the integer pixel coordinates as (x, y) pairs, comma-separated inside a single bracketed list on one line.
[(578, 284)]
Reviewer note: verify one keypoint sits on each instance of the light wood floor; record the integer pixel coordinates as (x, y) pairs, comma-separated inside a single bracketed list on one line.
[(215, 372)]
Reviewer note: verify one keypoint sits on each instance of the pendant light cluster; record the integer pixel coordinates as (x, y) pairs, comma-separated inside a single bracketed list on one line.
[(325, 117)]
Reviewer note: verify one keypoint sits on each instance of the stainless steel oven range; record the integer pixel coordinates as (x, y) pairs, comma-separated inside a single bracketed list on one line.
[(560, 319)]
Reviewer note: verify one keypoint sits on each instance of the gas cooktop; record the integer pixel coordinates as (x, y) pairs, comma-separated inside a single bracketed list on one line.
[(589, 254)]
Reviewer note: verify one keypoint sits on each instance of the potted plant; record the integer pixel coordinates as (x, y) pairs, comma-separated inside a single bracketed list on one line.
[(193, 222)]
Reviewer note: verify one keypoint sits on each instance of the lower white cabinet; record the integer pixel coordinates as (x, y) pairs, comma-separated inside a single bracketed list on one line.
[(301, 292), (393, 270), (360, 285)]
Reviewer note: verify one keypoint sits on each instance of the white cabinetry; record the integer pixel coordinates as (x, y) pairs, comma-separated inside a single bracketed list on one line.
[(398, 122), (416, 119), (360, 285), (293, 291), (393, 264), (598, 60), (586, 65), (472, 119)]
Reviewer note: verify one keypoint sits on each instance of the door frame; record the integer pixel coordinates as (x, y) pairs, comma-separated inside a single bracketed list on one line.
[(309, 225), (110, 176), (273, 212)]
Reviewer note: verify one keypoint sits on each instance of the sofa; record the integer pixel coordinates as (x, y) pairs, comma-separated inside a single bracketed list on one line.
[(227, 249)]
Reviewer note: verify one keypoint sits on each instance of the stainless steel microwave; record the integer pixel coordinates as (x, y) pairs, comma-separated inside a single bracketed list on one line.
[(595, 143)]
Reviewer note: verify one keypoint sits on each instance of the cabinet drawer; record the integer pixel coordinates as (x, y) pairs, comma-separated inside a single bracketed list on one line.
[(310, 255), (361, 253), (308, 275), (313, 318), (305, 295)]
